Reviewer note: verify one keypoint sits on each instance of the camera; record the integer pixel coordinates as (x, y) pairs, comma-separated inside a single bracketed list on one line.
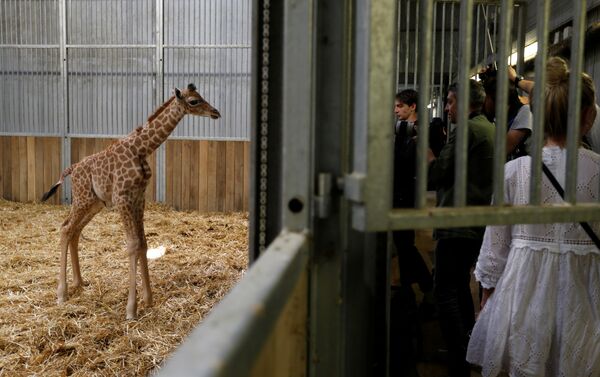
[(437, 133)]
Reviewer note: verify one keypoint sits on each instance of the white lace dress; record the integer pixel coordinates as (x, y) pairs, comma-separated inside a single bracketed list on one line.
[(543, 318)]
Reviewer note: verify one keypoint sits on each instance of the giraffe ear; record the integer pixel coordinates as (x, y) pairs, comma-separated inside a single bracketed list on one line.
[(177, 93)]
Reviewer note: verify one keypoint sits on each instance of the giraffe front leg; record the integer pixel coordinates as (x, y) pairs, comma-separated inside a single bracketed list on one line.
[(132, 299)]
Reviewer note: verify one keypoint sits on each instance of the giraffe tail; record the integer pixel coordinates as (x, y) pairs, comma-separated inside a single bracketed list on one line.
[(55, 187)]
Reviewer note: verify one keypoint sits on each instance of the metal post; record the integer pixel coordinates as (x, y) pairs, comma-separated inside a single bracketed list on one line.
[(424, 98), (521, 31), (460, 164), (64, 98), (161, 161), (539, 100), (574, 115), (506, 17)]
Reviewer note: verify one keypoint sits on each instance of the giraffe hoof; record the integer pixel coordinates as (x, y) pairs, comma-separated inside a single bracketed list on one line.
[(80, 284), (61, 300)]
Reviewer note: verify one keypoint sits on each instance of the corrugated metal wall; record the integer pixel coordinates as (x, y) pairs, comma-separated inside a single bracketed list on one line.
[(123, 58)]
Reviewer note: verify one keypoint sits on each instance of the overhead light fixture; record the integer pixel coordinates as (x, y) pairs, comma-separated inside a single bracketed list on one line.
[(529, 53)]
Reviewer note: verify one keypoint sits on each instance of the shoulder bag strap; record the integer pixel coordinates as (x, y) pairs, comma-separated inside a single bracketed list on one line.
[(558, 187)]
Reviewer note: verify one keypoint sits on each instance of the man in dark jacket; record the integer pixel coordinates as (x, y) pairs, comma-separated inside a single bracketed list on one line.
[(457, 248)]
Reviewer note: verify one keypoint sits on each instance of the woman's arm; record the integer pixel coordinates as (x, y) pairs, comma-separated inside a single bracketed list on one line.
[(523, 84)]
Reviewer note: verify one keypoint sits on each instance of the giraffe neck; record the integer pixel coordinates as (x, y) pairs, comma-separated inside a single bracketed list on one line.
[(158, 128)]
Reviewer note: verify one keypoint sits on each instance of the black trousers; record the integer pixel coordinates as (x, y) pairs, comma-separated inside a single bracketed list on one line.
[(412, 266), (453, 261)]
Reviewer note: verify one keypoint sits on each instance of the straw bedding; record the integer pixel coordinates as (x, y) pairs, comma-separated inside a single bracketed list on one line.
[(88, 335)]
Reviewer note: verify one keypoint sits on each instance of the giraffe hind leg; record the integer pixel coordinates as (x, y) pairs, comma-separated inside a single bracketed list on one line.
[(74, 242), (69, 234)]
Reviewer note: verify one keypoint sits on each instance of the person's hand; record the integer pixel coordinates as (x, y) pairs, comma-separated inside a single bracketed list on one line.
[(430, 155), (487, 292), (512, 74)]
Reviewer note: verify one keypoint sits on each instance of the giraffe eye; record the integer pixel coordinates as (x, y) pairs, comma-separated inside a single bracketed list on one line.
[(194, 102)]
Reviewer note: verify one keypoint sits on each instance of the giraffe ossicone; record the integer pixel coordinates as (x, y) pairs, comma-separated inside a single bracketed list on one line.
[(118, 176)]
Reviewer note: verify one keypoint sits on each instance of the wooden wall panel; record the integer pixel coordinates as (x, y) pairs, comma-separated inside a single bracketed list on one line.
[(202, 175), (29, 166)]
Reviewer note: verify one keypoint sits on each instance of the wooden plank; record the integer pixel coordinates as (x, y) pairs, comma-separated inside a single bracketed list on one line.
[(194, 172), (221, 174), (8, 161), (238, 196), (15, 168), (55, 152), (185, 179), (22, 169), (229, 175), (41, 186), (211, 176), (2, 162), (75, 150), (177, 174), (169, 173), (203, 175), (246, 176), (31, 179)]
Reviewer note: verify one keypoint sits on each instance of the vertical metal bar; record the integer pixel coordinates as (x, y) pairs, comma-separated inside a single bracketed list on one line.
[(466, 34), (451, 57), (495, 26), (506, 17), (433, 45), (442, 53), (406, 46), (64, 98), (521, 30), (416, 58), (574, 115), (486, 11), (543, 17), (477, 32), (425, 34), (398, 48), (161, 180)]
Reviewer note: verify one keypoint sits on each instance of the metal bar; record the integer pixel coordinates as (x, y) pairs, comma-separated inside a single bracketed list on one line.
[(442, 52), (574, 114), (161, 179), (539, 100), (441, 217), (416, 70), (485, 11), (298, 117), (521, 31), (424, 98), (451, 58), (231, 338), (477, 32), (398, 48), (406, 54), (460, 164), (64, 98), (432, 55), (506, 17), (375, 33)]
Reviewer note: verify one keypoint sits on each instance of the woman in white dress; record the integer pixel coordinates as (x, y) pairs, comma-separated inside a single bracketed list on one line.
[(541, 299)]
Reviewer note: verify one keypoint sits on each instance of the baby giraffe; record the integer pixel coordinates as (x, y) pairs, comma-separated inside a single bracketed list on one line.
[(118, 176)]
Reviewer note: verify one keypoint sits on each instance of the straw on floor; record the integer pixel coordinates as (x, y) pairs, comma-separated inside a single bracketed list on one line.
[(206, 254)]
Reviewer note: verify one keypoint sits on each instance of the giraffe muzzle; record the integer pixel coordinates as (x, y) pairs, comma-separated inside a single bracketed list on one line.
[(215, 114)]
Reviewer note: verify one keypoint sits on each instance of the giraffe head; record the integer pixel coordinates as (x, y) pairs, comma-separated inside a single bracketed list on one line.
[(194, 104)]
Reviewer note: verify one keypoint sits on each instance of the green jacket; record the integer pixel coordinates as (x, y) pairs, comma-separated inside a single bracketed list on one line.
[(480, 159)]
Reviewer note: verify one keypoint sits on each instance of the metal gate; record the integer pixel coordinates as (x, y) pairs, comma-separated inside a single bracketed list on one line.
[(84, 68)]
